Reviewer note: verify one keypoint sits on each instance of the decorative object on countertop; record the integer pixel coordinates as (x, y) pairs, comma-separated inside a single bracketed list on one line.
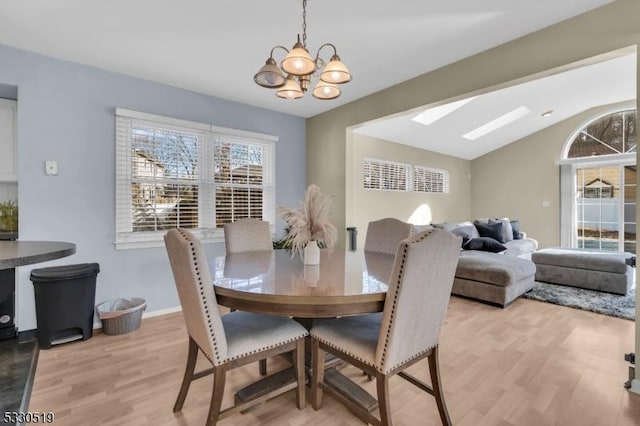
[(309, 225)]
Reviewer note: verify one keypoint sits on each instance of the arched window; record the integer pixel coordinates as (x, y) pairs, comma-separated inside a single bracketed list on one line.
[(598, 184)]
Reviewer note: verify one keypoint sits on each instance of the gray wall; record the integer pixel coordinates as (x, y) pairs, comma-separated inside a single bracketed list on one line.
[(66, 113), (369, 205), (515, 180)]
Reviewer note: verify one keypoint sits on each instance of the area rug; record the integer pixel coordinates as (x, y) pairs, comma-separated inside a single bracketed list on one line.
[(588, 300)]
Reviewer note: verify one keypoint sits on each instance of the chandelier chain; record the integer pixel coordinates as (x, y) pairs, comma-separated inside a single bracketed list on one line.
[(304, 23)]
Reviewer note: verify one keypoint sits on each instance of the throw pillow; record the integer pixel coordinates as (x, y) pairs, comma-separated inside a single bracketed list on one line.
[(445, 225), (484, 244), (515, 226), (507, 232), (493, 230), (467, 232)]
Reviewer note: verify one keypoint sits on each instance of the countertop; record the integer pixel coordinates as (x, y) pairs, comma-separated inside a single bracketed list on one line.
[(19, 253)]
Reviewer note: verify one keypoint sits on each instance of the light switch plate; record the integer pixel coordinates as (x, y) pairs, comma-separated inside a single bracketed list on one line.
[(50, 167)]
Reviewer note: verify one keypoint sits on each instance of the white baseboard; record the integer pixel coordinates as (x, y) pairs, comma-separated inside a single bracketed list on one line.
[(162, 312), (635, 386), (98, 324)]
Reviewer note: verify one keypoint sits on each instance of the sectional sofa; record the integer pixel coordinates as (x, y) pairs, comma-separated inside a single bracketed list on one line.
[(494, 264)]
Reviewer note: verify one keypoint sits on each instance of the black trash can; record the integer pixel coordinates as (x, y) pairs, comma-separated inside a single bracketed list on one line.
[(65, 297), (353, 238)]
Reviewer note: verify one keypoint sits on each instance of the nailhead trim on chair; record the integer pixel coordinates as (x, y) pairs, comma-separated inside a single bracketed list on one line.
[(395, 303), (210, 325), (203, 300), (393, 311)]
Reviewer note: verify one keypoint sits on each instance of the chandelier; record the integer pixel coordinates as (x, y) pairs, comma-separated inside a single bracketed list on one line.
[(300, 67)]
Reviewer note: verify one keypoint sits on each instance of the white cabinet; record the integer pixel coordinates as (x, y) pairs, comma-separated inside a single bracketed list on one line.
[(8, 141)]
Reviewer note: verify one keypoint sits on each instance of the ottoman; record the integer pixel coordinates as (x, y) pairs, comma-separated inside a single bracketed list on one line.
[(493, 278), (591, 269)]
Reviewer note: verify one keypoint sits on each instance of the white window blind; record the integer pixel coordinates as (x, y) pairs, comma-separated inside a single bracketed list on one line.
[(426, 179), (175, 173), (385, 175)]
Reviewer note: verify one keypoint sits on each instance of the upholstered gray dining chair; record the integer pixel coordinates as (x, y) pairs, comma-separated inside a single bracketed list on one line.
[(227, 341), (384, 235), (247, 234), (407, 331)]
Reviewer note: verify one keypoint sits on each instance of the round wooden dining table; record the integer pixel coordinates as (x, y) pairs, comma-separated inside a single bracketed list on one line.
[(274, 282)]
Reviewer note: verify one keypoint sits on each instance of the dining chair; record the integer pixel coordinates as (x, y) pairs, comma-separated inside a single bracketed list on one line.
[(407, 331), (230, 340), (384, 235), (248, 235)]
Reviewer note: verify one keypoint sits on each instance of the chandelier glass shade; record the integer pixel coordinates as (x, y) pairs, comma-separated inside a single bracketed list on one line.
[(299, 66)]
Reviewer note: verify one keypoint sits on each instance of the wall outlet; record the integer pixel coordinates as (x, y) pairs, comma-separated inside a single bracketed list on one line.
[(51, 167)]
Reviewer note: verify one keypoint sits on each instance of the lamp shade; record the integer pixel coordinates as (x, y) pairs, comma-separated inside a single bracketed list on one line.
[(298, 61), (326, 91), (269, 75), (335, 72), (291, 89)]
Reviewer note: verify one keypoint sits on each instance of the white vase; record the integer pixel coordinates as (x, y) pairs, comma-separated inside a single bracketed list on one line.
[(311, 253), (311, 274)]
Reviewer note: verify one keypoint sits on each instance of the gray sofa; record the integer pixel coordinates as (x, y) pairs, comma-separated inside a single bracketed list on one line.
[(497, 276)]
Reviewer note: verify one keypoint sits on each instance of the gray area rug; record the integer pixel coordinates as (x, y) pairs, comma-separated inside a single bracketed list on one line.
[(588, 300)]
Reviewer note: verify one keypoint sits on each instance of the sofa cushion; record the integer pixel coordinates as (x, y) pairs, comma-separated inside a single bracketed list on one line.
[(467, 232), (484, 244), (521, 246), (515, 227), (594, 260), (493, 268), (507, 230), (491, 230), (447, 226)]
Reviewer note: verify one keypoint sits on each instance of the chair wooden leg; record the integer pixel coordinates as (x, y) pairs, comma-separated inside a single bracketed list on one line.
[(382, 384), (317, 376), (219, 378), (262, 366), (188, 375), (436, 383), (298, 365)]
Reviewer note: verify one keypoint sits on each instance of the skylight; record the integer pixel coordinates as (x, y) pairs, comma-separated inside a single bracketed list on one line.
[(499, 122), (431, 115)]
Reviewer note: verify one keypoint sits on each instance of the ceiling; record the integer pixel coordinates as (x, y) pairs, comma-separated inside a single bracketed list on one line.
[(216, 46), (566, 94)]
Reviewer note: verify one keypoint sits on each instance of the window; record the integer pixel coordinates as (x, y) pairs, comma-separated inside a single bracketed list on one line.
[(598, 184), (175, 173), (430, 180), (390, 176), (385, 175)]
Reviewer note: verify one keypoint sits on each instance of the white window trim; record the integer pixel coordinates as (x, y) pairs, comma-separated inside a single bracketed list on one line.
[(408, 174), (445, 173), (410, 171), (133, 240), (568, 167)]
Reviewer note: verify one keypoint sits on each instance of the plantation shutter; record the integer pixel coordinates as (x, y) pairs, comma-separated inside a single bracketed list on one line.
[(385, 175), (430, 180), (173, 173)]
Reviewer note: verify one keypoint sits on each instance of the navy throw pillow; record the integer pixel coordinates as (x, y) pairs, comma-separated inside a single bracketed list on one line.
[(484, 244), (493, 230)]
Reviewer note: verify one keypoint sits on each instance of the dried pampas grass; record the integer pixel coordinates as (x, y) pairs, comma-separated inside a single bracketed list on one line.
[(310, 222)]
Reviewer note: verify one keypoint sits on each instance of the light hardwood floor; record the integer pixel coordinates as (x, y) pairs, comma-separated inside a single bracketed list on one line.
[(530, 364)]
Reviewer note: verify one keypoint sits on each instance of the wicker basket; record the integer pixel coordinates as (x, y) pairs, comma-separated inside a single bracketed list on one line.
[(120, 316)]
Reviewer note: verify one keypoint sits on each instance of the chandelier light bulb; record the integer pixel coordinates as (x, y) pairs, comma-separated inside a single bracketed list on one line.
[(291, 89), (326, 91)]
